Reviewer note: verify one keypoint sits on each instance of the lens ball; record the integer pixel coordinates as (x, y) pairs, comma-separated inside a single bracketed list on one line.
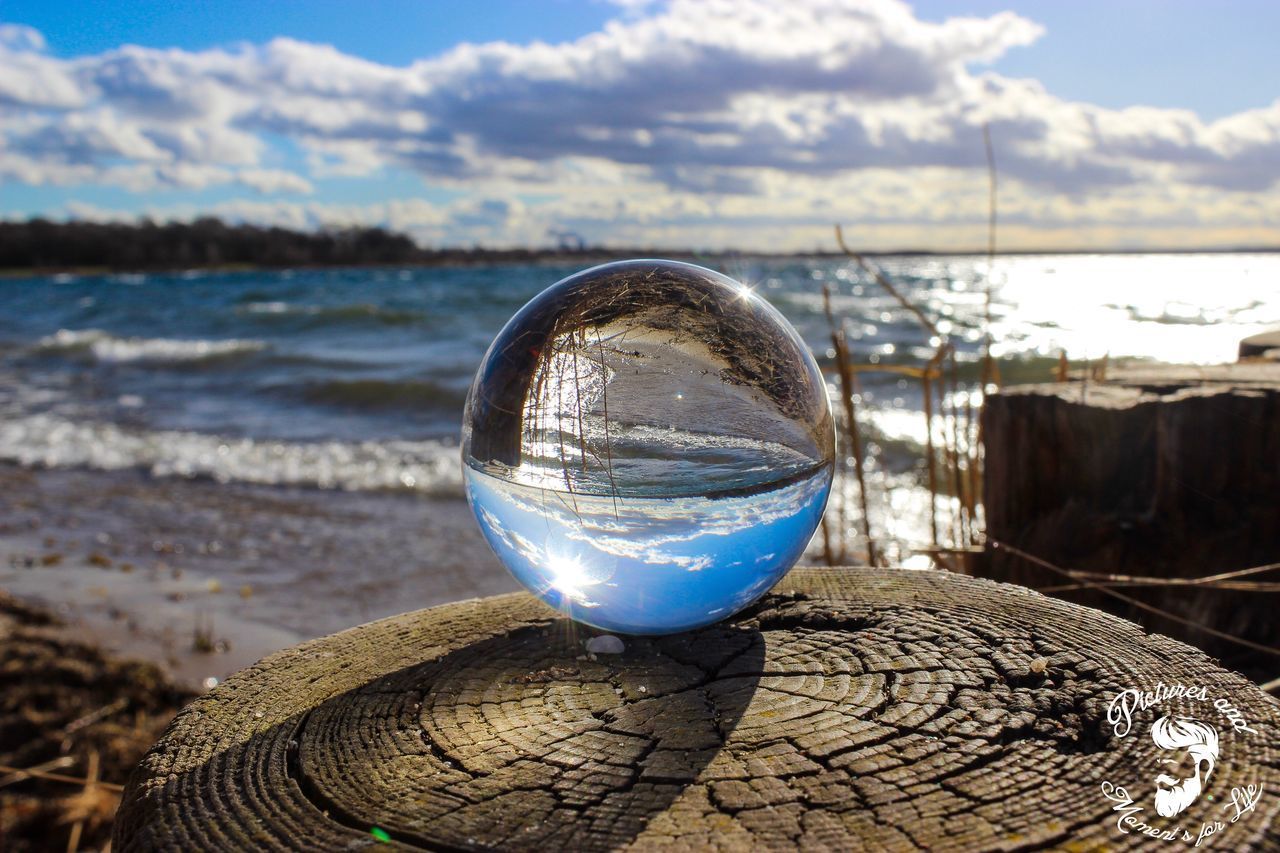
[(648, 446)]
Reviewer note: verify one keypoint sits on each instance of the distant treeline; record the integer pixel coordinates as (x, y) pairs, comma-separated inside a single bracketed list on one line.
[(45, 245)]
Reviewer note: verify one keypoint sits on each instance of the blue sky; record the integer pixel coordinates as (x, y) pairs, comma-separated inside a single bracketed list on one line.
[(1136, 123)]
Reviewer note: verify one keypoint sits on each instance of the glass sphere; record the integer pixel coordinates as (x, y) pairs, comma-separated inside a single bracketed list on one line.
[(648, 446)]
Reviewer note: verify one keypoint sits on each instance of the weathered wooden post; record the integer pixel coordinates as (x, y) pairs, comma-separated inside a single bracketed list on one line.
[(850, 709), (1161, 472)]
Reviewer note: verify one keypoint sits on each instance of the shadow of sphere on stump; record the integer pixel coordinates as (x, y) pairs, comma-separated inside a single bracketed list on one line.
[(523, 741)]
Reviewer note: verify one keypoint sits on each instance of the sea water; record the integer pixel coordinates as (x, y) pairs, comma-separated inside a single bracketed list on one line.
[(354, 379)]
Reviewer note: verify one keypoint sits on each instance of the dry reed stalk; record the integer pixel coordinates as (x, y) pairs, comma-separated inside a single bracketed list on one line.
[(1222, 580), (926, 376), (90, 783), (991, 213), (990, 374), (608, 446), (902, 369), (33, 773), (1063, 371), (931, 459), (961, 442), (1100, 371), (948, 458), (827, 555), (887, 285), (1234, 586), (577, 400), (45, 767), (957, 457), (91, 718), (1130, 600), (851, 420)]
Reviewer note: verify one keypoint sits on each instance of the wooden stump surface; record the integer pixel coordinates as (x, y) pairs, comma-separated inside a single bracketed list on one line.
[(849, 709)]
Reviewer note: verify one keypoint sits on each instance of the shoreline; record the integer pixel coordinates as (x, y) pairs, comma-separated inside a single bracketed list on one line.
[(204, 578), (465, 258)]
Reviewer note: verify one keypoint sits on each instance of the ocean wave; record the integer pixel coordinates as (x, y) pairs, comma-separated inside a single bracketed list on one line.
[(50, 441), (358, 313), (105, 347), (383, 394)]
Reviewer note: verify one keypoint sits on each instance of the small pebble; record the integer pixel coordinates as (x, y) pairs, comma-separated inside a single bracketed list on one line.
[(644, 689), (1039, 665), (605, 644)]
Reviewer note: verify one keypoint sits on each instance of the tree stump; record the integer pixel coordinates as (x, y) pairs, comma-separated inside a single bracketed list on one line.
[(1163, 471), (855, 709)]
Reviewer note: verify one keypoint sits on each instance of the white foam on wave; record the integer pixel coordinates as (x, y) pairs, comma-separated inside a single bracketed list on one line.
[(273, 307), (51, 441), (109, 348)]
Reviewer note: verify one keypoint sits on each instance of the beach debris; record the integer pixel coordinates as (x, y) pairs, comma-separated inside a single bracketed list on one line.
[(246, 592), (210, 683), (215, 585), (91, 718), (102, 561), (202, 639), (605, 644)]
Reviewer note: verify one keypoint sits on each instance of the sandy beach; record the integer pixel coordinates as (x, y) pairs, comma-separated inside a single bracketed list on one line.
[(204, 578)]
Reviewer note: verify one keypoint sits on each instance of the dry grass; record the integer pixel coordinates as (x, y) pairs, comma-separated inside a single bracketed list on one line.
[(73, 724), (953, 437), (952, 454)]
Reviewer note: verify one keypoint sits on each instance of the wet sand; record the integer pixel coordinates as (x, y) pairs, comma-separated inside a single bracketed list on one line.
[(205, 578)]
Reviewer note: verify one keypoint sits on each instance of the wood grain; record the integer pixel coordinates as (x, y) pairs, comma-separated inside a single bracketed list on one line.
[(850, 709)]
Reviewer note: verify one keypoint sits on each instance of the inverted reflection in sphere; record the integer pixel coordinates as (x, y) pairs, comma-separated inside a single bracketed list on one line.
[(648, 446)]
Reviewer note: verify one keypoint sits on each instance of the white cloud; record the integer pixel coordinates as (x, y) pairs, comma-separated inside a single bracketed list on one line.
[(671, 114), (269, 181)]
